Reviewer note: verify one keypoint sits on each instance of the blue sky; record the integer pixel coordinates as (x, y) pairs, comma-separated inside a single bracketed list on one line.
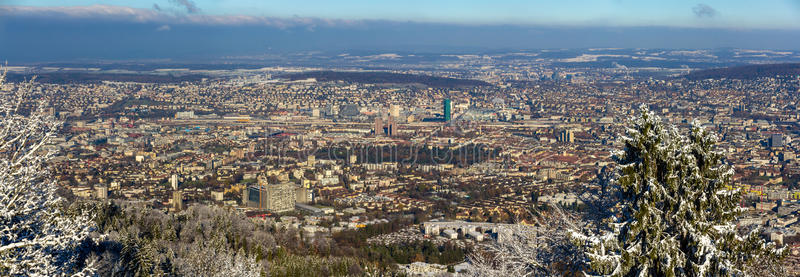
[(762, 14)]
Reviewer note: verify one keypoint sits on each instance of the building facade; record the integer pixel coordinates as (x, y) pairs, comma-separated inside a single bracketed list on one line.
[(273, 197), (448, 110)]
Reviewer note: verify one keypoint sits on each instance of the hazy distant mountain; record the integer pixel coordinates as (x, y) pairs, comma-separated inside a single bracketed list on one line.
[(29, 38)]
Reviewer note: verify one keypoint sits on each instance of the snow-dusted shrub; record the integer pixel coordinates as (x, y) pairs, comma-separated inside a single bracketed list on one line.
[(36, 237)]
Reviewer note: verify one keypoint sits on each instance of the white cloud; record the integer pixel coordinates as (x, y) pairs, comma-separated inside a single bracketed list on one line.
[(120, 13), (163, 28)]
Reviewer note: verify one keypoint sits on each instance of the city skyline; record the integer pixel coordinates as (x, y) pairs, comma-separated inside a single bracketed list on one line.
[(419, 138)]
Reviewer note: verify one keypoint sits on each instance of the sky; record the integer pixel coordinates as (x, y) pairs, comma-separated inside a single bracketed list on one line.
[(769, 14), (87, 29)]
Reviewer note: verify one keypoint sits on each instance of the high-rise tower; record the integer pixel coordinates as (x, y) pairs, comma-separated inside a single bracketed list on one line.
[(378, 126), (448, 109)]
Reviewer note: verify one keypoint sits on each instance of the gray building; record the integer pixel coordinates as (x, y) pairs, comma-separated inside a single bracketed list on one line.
[(776, 140), (273, 197)]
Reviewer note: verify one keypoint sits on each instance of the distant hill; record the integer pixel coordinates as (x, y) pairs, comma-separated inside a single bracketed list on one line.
[(386, 78), (80, 77), (747, 71)]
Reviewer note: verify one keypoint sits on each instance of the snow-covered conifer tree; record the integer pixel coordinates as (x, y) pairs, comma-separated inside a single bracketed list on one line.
[(36, 238), (678, 208), (216, 260)]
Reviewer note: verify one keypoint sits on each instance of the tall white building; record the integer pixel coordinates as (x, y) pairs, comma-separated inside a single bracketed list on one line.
[(566, 136), (395, 111), (102, 192), (173, 181)]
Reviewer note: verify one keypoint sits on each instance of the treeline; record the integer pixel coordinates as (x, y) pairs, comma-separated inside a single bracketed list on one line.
[(136, 240), (79, 77), (400, 253), (386, 78), (747, 72), (358, 238), (417, 251), (139, 241)]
